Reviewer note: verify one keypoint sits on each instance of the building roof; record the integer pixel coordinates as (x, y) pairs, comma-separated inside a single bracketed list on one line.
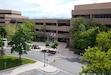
[(93, 6)]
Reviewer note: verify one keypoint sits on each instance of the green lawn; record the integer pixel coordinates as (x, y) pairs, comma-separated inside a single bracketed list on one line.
[(13, 61)]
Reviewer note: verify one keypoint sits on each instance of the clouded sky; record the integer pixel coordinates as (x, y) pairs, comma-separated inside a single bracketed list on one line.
[(45, 8)]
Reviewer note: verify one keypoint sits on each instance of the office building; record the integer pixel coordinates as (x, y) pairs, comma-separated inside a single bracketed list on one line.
[(54, 28), (99, 12), (10, 17)]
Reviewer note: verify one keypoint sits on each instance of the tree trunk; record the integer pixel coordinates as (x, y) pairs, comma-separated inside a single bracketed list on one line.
[(1, 51), (20, 56)]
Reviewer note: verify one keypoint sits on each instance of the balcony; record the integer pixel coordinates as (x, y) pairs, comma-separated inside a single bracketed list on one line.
[(66, 35), (63, 28), (51, 27)]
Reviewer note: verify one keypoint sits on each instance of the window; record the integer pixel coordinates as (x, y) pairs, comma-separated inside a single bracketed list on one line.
[(13, 21), (64, 24), (2, 17), (5, 13), (102, 15), (109, 26), (51, 31), (52, 24), (63, 32), (85, 16), (2, 22), (38, 23), (19, 22), (63, 39), (36, 30)]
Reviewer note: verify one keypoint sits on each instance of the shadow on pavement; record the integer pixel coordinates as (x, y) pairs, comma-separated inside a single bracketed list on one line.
[(50, 54), (77, 59)]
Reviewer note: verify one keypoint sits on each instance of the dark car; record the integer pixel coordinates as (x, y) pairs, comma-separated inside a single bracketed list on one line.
[(52, 52)]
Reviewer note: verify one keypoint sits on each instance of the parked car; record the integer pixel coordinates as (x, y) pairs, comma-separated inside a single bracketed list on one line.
[(52, 52), (43, 50), (35, 47)]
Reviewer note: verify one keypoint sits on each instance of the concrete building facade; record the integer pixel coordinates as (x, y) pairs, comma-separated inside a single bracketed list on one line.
[(99, 12), (54, 28), (11, 16)]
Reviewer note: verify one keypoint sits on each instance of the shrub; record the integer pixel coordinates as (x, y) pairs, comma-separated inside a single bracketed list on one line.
[(47, 43)]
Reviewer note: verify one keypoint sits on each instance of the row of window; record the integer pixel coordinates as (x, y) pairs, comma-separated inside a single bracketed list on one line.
[(109, 26), (53, 24), (64, 24), (60, 32), (94, 16), (5, 13), (102, 16), (11, 13), (85, 16), (2, 22), (2, 17)]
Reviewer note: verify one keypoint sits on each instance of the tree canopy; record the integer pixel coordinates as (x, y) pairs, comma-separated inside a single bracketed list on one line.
[(84, 32), (103, 41), (10, 30), (97, 61), (84, 39), (75, 24), (28, 28), (21, 39), (2, 35), (2, 32)]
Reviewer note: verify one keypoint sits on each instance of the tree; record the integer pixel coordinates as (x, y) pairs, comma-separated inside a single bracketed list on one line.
[(21, 39), (41, 33), (18, 43), (103, 41), (2, 35), (2, 32), (82, 27), (47, 43), (28, 27), (103, 28), (1, 45), (97, 61), (75, 24), (10, 30), (55, 44), (84, 39)]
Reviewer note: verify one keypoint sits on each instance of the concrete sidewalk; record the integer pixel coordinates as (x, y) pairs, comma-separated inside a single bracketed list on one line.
[(38, 66)]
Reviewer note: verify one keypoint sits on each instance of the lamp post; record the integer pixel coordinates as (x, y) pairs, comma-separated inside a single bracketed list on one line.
[(44, 59)]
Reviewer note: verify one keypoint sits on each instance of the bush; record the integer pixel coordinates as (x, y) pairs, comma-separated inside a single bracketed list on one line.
[(47, 43), (56, 42), (53, 46)]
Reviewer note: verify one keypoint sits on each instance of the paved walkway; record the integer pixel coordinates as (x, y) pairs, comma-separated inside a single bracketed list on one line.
[(38, 66)]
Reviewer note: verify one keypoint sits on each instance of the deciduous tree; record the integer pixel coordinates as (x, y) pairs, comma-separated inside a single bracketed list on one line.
[(97, 61), (2, 35), (21, 39), (75, 24), (103, 41), (84, 39)]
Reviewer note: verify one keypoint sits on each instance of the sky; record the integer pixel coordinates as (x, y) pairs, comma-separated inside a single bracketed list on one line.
[(45, 8)]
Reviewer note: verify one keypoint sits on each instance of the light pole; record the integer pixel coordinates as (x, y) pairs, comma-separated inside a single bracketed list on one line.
[(44, 59)]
